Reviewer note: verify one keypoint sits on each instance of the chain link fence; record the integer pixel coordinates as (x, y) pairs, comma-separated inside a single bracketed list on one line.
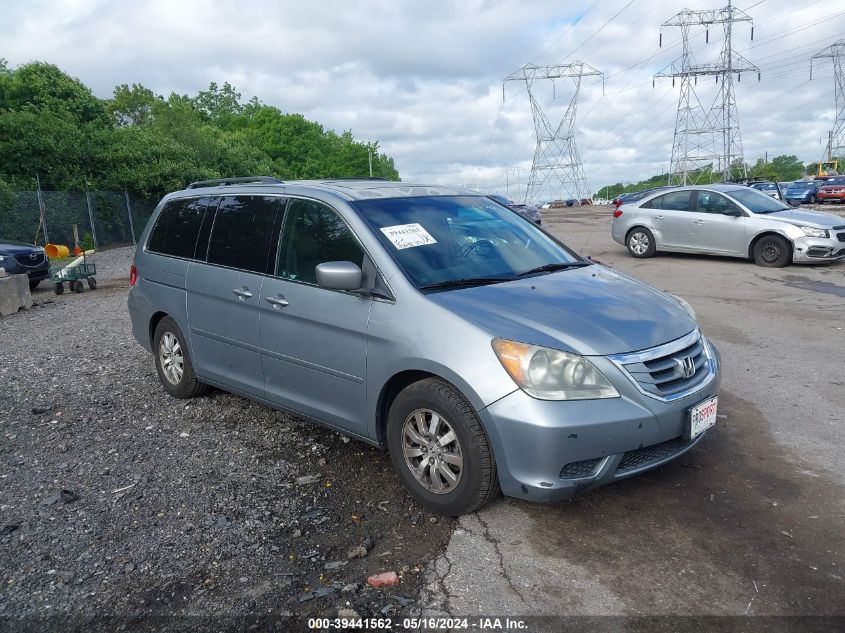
[(103, 219)]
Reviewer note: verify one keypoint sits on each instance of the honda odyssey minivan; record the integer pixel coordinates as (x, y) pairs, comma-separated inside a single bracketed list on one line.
[(479, 350)]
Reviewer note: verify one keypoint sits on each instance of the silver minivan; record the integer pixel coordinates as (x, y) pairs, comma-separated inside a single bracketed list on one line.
[(432, 321)]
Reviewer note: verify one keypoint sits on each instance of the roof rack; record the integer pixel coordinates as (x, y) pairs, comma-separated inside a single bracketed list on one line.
[(336, 178), (264, 180)]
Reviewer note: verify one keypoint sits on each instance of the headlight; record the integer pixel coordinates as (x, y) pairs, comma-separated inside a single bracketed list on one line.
[(809, 231), (549, 374), (2, 258), (685, 305)]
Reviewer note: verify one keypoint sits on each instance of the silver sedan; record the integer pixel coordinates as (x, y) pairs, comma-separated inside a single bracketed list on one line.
[(729, 220)]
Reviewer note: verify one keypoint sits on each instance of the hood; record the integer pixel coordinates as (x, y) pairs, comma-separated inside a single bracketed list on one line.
[(817, 219), (11, 247), (591, 311)]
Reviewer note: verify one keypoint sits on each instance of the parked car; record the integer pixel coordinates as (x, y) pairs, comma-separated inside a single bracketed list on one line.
[(528, 211), (802, 192), (769, 188), (832, 190), (479, 350), (729, 220), (20, 258), (634, 196)]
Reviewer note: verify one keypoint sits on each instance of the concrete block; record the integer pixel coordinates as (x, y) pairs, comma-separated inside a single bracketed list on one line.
[(14, 294)]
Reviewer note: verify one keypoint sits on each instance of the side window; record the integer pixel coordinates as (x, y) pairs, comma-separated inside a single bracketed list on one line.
[(242, 232), (176, 229), (312, 234), (675, 201), (710, 202)]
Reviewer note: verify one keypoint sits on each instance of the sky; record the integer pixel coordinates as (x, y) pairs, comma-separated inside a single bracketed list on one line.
[(425, 79)]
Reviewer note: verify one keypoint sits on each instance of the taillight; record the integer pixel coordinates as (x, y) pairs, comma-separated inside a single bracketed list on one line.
[(617, 213), (133, 275)]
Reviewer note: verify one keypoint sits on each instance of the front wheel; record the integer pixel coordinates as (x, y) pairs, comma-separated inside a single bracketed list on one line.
[(33, 284), (440, 450), (173, 363), (640, 243), (772, 251)]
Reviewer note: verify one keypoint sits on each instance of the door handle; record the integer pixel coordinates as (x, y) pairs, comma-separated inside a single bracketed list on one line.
[(658, 217), (242, 293), (700, 222), (277, 301)]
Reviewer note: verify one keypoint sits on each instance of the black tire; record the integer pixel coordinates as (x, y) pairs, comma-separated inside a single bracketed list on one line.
[(636, 239), (92, 283), (59, 288), (33, 283), (478, 483), (188, 386), (77, 286), (813, 199), (772, 251)]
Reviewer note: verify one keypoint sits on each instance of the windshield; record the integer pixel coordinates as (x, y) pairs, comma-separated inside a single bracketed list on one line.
[(801, 185), (757, 202), (450, 238), (764, 185)]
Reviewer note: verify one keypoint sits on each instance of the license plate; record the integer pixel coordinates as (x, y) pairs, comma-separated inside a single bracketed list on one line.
[(702, 416)]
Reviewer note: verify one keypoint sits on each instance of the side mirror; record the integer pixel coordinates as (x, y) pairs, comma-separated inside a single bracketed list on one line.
[(339, 276), (736, 213)]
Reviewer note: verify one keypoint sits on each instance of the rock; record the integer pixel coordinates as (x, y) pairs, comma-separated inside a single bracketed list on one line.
[(296, 533), (322, 461), (415, 519), (334, 565), (41, 410), (68, 496), (322, 592), (350, 588), (307, 480), (359, 551), (386, 579), (8, 529), (433, 520), (348, 614), (50, 500), (221, 522)]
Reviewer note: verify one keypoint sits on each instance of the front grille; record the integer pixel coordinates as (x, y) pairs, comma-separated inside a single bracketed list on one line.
[(642, 457), (28, 260), (666, 371), (579, 470)]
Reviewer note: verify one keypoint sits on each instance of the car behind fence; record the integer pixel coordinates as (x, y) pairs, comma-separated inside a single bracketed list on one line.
[(104, 219)]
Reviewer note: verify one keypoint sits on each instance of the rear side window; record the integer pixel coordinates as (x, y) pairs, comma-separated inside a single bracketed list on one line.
[(242, 232), (710, 202), (176, 229), (675, 201), (313, 234)]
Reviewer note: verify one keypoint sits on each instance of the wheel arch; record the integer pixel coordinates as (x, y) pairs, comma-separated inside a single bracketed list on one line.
[(763, 234), (155, 319)]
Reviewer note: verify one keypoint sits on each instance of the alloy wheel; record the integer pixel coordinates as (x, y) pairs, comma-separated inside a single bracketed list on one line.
[(171, 358), (432, 451)]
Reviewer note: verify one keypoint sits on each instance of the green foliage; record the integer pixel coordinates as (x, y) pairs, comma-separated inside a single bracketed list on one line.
[(53, 126)]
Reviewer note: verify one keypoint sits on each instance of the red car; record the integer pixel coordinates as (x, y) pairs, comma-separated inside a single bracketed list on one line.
[(832, 191)]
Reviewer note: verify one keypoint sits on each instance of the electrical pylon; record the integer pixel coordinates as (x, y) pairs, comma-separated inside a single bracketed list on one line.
[(707, 138), (557, 171), (835, 52)]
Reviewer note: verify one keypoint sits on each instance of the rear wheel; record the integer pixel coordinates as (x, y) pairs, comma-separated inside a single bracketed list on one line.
[(640, 243), (33, 283), (440, 450), (58, 288), (92, 283), (772, 251), (173, 363)]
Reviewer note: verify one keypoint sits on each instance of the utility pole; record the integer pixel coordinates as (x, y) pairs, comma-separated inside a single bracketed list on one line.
[(836, 137), (698, 127), (556, 171)]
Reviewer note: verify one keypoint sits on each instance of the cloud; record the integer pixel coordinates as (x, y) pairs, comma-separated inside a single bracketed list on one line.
[(425, 79)]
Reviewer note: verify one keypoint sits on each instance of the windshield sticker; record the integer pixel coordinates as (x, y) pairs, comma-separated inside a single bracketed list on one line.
[(404, 236)]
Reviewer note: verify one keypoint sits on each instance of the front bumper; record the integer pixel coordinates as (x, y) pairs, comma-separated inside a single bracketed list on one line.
[(824, 196), (551, 450), (814, 250), (36, 272)]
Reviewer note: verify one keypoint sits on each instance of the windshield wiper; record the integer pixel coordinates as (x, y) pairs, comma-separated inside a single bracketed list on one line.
[(467, 281), (547, 268)]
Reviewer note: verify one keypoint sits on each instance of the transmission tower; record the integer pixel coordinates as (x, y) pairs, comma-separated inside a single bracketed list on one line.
[(557, 171), (707, 137), (835, 52)]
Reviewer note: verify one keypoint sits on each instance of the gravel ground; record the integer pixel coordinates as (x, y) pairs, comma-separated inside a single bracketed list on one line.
[(118, 500)]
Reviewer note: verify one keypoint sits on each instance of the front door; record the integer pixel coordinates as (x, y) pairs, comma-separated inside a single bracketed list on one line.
[(715, 232), (224, 292), (314, 340)]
